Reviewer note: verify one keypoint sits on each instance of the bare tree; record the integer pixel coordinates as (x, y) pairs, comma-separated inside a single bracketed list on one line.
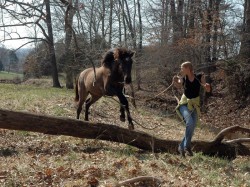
[(51, 46), (68, 54), (22, 14)]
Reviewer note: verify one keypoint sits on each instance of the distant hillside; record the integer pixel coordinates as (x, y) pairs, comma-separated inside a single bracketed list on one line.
[(18, 56), (22, 53)]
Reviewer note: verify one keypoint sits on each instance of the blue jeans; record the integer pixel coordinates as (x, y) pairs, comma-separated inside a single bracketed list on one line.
[(190, 118)]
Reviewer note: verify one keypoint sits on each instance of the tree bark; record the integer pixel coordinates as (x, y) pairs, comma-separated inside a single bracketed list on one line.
[(103, 22), (177, 19), (110, 23), (245, 40), (208, 26), (215, 35), (71, 127), (69, 15), (140, 24), (190, 30), (54, 70)]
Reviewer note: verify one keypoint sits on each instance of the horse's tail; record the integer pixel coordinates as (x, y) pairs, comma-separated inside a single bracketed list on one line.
[(76, 89)]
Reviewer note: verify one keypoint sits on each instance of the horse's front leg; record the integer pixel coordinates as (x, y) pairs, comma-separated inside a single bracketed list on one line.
[(122, 111), (125, 107)]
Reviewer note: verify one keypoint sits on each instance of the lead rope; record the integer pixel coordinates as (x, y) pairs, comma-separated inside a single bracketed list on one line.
[(131, 117), (174, 113), (170, 86)]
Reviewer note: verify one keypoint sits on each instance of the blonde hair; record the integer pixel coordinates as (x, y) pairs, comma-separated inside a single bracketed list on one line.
[(188, 65)]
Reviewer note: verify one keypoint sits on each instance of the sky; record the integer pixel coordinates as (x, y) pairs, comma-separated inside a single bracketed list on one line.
[(16, 31), (14, 44)]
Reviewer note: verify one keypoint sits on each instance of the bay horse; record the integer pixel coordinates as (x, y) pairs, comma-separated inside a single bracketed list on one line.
[(109, 79)]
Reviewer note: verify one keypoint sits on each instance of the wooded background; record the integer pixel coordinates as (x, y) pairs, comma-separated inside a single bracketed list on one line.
[(68, 36)]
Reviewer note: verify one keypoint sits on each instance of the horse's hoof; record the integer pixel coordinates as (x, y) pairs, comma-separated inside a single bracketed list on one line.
[(131, 127), (122, 119)]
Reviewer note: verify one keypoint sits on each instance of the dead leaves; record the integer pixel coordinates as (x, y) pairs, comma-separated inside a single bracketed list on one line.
[(32, 159), (3, 175)]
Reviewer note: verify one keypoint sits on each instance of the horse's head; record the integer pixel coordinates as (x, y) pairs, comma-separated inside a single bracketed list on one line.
[(123, 59)]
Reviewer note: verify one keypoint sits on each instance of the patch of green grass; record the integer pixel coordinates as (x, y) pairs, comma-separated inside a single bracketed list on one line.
[(215, 162), (127, 151), (10, 75), (72, 156), (23, 133), (217, 171), (35, 99)]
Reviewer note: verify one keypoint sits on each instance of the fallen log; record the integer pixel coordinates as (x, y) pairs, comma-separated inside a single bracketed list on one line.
[(71, 127)]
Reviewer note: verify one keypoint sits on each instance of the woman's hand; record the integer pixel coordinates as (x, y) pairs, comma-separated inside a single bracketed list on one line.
[(177, 81), (207, 87)]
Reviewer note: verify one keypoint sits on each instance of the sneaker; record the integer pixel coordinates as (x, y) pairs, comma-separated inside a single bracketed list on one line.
[(181, 151), (189, 151)]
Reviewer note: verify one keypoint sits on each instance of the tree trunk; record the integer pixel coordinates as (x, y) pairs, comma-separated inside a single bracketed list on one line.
[(129, 24), (190, 30), (103, 22), (120, 23), (180, 17), (110, 23), (164, 22), (138, 64), (245, 41), (69, 14), (82, 129), (177, 19), (208, 25), (91, 23), (124, 22), (140, 24), (215, 35), (51, 46)]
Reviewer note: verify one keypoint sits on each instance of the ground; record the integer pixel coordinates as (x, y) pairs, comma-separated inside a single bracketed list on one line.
[(33, 159)]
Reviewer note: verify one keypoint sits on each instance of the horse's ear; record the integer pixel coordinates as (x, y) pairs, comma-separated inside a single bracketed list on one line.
[(108, 58), (132, 53), (116, 54)]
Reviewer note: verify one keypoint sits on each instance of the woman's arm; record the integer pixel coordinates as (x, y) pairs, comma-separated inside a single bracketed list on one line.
[(205, 85)]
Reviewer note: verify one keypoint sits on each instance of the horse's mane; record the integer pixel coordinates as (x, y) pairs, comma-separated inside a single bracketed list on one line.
[(113, 55)]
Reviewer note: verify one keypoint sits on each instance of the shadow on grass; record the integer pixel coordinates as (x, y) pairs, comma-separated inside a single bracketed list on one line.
[(7, 152)]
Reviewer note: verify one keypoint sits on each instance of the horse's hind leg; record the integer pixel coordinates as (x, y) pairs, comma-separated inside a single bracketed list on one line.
[(79, 108), (88, 103), (82, 98)]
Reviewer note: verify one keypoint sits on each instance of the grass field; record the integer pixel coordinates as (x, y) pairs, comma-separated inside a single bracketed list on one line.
[(33, 159), (10, 75)]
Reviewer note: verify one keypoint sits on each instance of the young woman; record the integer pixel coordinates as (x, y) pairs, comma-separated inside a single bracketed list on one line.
[(189, 106)]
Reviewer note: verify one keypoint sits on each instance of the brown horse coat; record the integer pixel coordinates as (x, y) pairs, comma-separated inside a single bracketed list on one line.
[(108, 79)]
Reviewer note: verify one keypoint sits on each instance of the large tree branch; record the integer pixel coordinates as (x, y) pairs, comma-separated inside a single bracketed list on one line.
[(22, 38), (239, 140), (17, 24), (82, 129), (29, 5), (27, 44), (43, 31), (229, 130)]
